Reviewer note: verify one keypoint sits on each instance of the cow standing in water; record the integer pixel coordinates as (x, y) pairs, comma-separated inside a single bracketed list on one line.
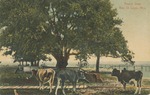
[(125, 76), (44, 76), (72, 75)]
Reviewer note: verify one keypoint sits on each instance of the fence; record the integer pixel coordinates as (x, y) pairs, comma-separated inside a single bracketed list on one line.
[(144, 68), (128, 67)]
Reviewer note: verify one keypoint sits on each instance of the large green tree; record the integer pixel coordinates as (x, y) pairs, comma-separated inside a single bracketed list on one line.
[(33, 28)]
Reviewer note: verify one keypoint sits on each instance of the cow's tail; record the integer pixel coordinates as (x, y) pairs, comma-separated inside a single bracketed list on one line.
[(53, 76)]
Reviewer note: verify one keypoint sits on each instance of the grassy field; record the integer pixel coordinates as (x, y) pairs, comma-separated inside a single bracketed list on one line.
[(9, 78)]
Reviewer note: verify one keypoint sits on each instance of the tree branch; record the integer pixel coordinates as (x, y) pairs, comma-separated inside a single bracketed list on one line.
[(74, 53)]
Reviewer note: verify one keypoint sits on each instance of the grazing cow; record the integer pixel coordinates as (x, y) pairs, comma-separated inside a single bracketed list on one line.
[(72, 75), (44, 76), (125, 76)]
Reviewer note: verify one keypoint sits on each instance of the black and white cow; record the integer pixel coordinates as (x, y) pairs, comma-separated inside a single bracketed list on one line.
[(125, 76), (68, 74)]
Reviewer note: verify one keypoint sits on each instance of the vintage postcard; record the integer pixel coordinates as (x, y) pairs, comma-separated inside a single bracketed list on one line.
[(74, 47)]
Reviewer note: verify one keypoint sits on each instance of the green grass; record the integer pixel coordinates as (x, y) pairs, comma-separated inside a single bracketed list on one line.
[(9, 78), (35, 92), (120, 91), (146, 82)]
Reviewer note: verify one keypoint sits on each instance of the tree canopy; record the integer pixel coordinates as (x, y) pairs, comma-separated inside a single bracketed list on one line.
[(33, 28)]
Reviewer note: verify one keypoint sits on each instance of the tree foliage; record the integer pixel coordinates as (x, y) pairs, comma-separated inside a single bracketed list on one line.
[(23, 35), (33, 28)]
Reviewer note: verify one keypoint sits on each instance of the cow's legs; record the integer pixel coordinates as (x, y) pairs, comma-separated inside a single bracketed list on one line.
[(40, 84), (52, 79), (58, 83), (62, 87), (124, 86), (50, 84), (74, 86), (140, 86), (137, 88)]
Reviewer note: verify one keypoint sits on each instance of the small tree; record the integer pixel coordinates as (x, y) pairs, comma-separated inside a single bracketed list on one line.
[(115, 47)]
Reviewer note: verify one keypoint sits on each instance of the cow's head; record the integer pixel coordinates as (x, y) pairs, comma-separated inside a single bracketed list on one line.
[(81, 76), (115, 72), (34, 72)]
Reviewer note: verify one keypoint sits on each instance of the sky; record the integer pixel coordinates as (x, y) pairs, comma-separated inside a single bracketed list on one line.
[(135, 27)]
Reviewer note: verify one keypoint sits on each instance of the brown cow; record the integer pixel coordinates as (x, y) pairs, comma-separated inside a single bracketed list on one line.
[(44, 76)]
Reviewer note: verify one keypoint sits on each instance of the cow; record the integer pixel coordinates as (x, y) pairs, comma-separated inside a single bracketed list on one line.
[(68, 74), (44, 76), (125, 77)]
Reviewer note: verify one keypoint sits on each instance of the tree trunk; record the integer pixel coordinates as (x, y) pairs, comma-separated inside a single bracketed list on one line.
[(32, 63), (37, 63), (62, 57), (97, 63), (61, 63)]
